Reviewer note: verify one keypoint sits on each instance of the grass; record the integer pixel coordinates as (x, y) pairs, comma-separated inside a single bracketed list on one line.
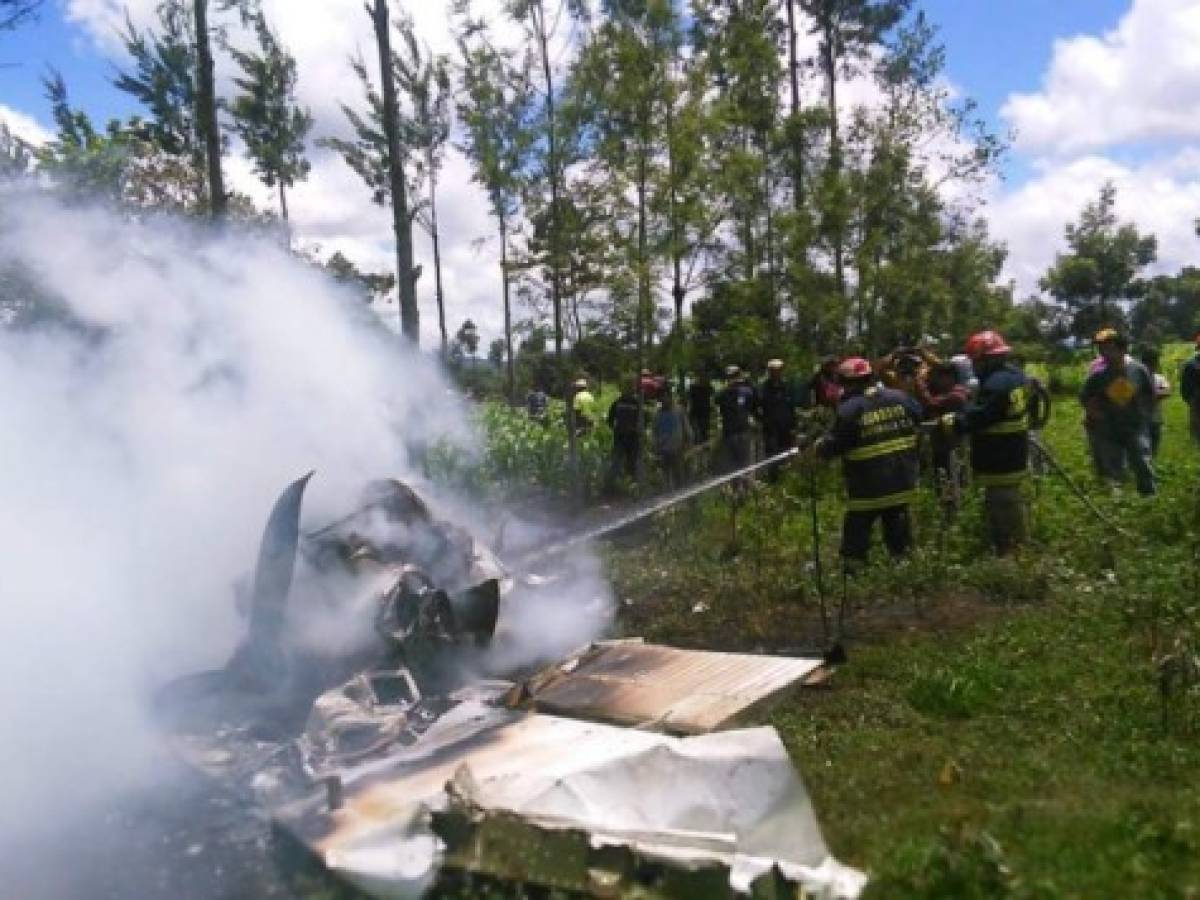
[(999, 728)]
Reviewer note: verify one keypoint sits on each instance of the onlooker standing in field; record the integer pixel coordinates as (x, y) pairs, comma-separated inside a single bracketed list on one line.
[(672, 437), (1189, 390), (824, 387), (1151, 359), (700, 403), (583, 402), (1119, 403), (778, 414), (875, 434), (536, 402), (997, 420), (738, 404), (625, 421)]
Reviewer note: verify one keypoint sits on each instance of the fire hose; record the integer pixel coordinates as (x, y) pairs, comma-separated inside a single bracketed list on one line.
[(1070, 482)]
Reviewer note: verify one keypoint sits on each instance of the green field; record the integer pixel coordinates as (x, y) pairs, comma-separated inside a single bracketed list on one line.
[(1002, 728)]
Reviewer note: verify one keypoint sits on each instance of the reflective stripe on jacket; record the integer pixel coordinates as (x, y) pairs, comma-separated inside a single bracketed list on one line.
[(876, 436), (998, 423)]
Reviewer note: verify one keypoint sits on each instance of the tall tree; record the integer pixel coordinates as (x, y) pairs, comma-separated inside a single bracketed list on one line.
[(424, 79), (265, 114), (379, 154), (410, 316), (847, 31), (1097, 273), (206, 111), (541, 31), (163, 80), (494, 107)]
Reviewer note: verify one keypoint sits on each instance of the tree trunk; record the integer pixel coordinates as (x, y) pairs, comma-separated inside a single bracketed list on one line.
[(206, 102), (538, 13), (437, 257), (410, 317), (797, 129), (508, 341), (772, 292), (829, 61), (677, 290), (643, 298), (283, 207)]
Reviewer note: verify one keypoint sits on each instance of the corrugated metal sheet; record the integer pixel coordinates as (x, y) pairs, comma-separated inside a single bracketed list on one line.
[(731, 800), (679, 691)]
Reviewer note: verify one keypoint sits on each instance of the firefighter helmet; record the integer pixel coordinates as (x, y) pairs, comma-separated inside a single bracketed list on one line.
[(853, 368), (986, 343)]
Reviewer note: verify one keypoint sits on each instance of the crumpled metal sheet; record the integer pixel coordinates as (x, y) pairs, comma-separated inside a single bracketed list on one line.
[(629, 682), (731, 799)]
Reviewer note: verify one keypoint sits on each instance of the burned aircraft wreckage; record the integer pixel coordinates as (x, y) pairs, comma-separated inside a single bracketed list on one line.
[(385, 751)]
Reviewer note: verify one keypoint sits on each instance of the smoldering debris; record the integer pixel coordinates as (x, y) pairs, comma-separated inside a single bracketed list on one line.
[(394, 762)]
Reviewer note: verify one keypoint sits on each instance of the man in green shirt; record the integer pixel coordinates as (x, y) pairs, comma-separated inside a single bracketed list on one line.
[(1118, 399)]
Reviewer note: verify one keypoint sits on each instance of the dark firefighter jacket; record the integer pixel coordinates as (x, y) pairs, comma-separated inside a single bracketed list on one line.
[(1189, 382), (876, 436), (737, 403), (623, 418), (998, 423), (778, 406)]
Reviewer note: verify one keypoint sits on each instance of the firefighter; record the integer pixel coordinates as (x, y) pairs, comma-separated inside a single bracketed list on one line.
[(778, 408), (738, 405), (1189, 390), (997, 419), (875, 434)]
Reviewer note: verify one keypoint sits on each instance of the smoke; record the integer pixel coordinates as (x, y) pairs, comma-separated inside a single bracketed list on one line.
[(176, 382)]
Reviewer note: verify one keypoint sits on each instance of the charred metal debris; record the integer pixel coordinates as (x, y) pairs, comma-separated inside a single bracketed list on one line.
[(358, 712)]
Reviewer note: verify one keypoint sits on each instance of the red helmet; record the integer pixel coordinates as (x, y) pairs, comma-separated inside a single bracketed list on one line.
[(853, 367), (986, 343)]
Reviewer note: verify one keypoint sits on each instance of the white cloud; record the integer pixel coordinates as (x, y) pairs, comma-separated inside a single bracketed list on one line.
[(24, 126), (1161, 196), (1139, 82)]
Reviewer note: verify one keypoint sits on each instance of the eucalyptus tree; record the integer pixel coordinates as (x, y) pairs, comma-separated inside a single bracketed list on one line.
[(424, 80), (494, 106), (848, 31), (542, 20), (266, 115), (163, 80), (379, 153)]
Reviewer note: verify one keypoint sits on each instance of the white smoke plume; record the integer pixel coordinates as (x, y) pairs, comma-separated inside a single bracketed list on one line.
[(140, 452)]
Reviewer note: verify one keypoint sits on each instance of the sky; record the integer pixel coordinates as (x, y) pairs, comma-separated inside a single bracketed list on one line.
[(1089, 90)]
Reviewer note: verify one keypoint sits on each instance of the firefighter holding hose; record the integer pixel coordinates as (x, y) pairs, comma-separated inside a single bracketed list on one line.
[(875, 434), (997, 421)]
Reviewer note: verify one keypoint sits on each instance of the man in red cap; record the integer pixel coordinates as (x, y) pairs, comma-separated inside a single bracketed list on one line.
[(875, 434), (1189, 389), (998, 422)]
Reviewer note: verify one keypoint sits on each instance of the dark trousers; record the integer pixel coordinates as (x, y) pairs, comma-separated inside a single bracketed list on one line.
[(776, 441), (1116, 451), (856, 532), (625, 453), (701, 426)]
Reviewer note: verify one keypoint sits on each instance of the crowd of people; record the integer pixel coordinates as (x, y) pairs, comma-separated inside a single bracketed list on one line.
[(872, 415)]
